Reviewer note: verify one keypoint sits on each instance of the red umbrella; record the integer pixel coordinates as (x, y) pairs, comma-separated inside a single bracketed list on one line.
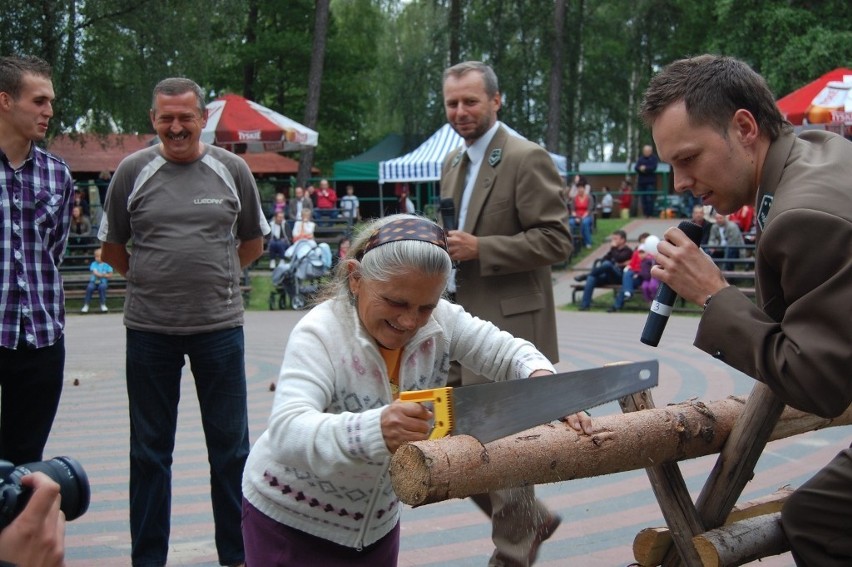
[(796, 105), (236, 123)]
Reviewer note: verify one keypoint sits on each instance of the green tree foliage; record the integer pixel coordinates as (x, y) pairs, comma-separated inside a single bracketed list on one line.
[(789, 42), (407, 81), (384, 59)]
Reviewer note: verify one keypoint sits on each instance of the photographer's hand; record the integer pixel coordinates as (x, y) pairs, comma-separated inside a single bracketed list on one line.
[(36, 538)]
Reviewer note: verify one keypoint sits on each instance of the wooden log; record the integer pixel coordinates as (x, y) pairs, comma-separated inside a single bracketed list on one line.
[(672, 495), (651, 544), (736, 462), (742, 542), (734, 467), (459, 466)]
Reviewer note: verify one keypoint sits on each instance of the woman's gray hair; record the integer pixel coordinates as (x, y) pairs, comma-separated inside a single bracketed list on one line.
[(386, 261)]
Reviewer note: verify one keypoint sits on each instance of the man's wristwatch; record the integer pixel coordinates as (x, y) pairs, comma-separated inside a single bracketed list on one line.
[(707, 302)]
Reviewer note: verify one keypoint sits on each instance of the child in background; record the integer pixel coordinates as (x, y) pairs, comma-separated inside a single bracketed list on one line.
[(638, 272), (101, 272), (280, 204), (636, 258), (343, 247)]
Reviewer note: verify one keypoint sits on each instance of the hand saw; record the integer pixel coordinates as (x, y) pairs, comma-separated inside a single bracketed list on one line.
[(497, 409)]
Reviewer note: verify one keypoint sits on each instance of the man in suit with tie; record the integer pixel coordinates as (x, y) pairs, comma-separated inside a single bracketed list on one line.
[(512, 228)]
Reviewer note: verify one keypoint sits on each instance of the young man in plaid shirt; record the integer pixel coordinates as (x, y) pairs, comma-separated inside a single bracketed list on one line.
[(36, 194)]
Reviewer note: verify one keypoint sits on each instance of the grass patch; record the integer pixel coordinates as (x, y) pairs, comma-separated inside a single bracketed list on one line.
[(261, 286)]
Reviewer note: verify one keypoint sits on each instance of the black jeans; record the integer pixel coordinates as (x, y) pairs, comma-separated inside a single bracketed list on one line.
[(30, 386)]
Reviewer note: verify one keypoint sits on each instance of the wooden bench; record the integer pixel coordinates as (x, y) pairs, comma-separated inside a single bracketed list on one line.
[(74, 284), (740, 279), (741, 276), (79, 254), (745, 261), (331, 231), (744, 281), (578, 288)]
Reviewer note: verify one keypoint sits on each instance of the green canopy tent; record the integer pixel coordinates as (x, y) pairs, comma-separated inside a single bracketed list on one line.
[(365, 167)]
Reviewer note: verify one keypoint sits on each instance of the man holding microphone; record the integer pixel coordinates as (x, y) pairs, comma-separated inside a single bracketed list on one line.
[(715, 121)]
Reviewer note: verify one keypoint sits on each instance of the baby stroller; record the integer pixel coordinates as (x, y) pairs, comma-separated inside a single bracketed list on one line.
[(298, 276)]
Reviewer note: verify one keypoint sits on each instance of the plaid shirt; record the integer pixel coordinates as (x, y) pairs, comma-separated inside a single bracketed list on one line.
[(35, 213)]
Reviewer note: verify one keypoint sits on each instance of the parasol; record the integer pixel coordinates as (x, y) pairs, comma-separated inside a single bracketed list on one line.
[(814, 102), (240, 125)]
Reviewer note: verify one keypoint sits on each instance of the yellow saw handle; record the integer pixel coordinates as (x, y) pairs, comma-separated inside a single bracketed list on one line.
[(441, 399)]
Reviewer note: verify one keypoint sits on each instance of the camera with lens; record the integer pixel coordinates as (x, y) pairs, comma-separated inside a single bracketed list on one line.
[(64, 471)]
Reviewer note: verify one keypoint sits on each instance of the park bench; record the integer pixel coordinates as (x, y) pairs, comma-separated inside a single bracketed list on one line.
[(331, 231), (80, 253), (74, 284), (742, 277), (742, 274)]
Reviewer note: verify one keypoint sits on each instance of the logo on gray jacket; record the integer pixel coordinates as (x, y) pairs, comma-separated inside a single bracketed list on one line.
[(208, 201)]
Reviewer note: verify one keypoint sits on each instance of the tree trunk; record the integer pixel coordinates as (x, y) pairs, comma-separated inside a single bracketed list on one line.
[(557, 71), (306, 157), (249, 67), (574, 93), (457, 467), (742, 542), (68, 72), (454, 29)]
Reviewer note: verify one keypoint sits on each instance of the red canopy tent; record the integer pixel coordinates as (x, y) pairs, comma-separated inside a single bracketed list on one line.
[(795, 105), (240, 125)]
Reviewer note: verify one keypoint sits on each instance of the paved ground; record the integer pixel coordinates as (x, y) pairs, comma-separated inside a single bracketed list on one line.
[(601, 515)]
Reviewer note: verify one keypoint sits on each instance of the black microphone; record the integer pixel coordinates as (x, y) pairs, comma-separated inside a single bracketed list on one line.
[(662, 305), (448, 214)]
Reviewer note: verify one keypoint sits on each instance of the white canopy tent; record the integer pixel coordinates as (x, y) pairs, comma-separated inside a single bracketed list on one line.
[(424, 163)]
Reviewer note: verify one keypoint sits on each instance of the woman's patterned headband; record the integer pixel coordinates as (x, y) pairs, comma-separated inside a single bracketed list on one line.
[(407, 229)]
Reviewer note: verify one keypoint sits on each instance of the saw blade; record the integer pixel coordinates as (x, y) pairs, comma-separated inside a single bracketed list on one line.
[(497, 409)]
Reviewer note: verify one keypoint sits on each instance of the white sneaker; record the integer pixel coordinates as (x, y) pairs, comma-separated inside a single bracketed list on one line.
[(85, 309), (272, 264), (104, 308), (627, 295)]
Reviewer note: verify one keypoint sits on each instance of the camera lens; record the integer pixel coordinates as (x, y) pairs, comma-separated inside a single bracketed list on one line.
[(71, 478)]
